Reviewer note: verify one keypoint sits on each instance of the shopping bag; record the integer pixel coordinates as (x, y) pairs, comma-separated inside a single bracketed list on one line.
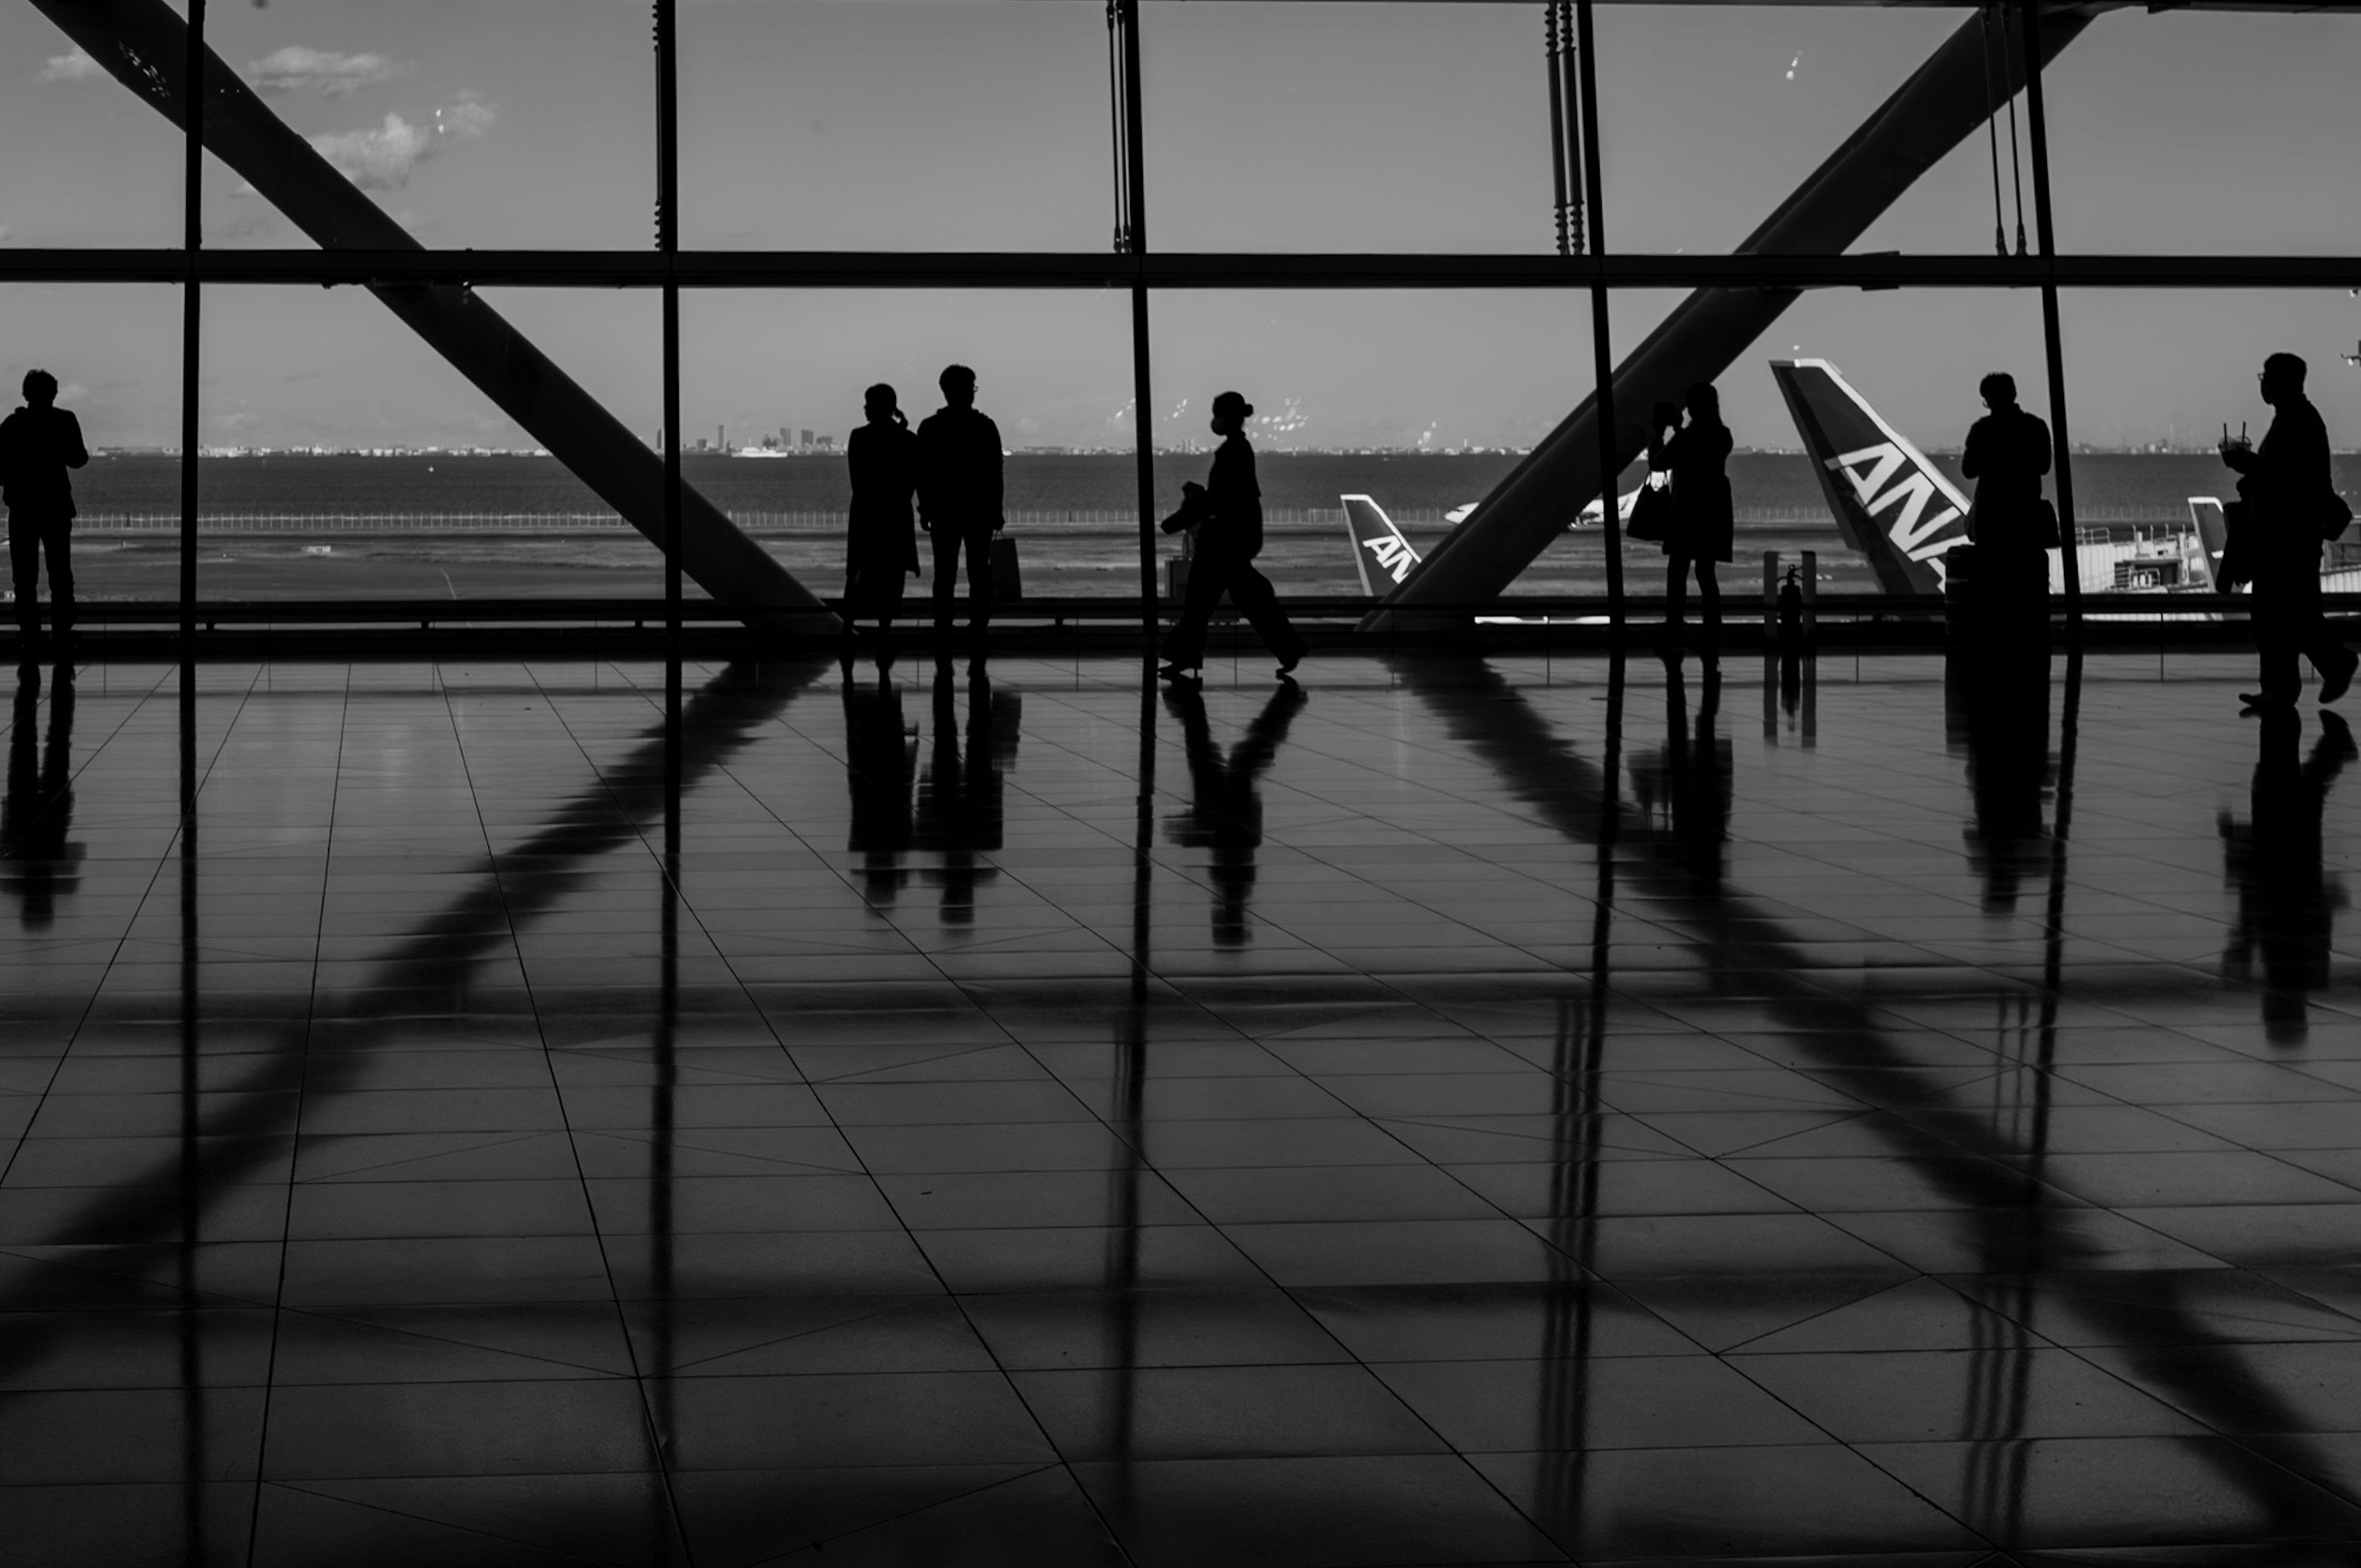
[(1007, 581)]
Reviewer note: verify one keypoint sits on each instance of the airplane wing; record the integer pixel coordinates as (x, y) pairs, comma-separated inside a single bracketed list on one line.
[(1378, 544), (1894, 507)]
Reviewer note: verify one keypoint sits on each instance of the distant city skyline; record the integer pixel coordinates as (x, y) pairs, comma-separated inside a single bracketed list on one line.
[(1387, 127)]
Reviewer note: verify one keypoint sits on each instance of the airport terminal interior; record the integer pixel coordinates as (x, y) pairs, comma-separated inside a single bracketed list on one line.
[(519, 1046)]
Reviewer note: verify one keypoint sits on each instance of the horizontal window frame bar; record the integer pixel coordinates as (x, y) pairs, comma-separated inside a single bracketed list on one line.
[(1020, 269)]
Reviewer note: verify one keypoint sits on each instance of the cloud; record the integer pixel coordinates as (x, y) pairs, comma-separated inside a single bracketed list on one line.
[(330, 75), (74, 65), (384, 156)]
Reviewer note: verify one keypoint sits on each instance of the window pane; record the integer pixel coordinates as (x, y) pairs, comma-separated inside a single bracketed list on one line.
[(1385, 127), (785, 373), (528, 123), (347, 459), (901, 126), (88, 163)]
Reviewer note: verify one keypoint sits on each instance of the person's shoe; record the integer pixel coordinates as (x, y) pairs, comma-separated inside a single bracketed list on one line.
[(2264, 702), (1176, 671), (1287, 663), (2337, 685)]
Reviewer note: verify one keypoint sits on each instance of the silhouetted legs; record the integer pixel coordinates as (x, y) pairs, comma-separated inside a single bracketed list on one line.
[(873, 590), (1676, 587), (28, 537), (1209, 578), (976, 539), (2287, 622)]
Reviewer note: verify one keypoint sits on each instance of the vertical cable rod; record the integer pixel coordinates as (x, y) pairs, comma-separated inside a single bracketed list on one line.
[(1557, 123), (1602, 357), (1131, 239), (668, 31), (1992, 123), (192, 91), (2052, 344)]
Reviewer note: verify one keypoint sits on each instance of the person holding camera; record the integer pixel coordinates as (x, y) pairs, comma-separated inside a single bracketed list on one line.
[(2291, 496), (1702, 527), (1226, 514)]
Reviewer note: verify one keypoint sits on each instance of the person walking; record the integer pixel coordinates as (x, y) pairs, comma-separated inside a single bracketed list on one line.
[(38, 444), (2289, 490), (1701, 533), (958, 497), (1226, 514), (2010, 522), (881, 545)]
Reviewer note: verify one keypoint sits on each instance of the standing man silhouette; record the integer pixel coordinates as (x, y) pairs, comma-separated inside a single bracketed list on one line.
[(2007, 453), (959, 496), (38, 444), (2286, 485)]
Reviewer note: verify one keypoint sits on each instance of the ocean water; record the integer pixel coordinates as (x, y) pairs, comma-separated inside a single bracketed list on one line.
[(464, 527)]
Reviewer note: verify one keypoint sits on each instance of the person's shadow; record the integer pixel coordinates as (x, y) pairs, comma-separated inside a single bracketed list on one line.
[(2274, 864), (1996, 714), (961, 812), (1224, 813), (881, 763), (1683, 788), (37, 863)]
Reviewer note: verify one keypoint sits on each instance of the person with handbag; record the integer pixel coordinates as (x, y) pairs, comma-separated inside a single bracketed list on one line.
[(958, 497), (2291, 504), (2010, 522), (1226, 514), (880, 546), (1699, 526)]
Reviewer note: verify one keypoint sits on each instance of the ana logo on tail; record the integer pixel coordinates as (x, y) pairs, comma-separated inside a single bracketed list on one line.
[(1892, 505), (1376, 540)]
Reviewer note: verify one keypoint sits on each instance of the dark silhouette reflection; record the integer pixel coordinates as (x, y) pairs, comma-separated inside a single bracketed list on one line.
[(1996, 714), (1224, 813), (37, 863), (1683, 790), (881, 765), (1791, 686), (959, 811), (2276, 865)]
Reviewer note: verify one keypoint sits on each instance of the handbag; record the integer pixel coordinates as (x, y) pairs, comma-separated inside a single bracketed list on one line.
[(1652, 513), (1007, 581), (2336, 516)]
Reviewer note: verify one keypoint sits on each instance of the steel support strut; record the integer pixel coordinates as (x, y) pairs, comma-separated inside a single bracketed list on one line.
[(1941, 104), (145, 46)]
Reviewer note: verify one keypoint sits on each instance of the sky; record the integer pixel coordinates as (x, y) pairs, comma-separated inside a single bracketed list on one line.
[(982, 123)]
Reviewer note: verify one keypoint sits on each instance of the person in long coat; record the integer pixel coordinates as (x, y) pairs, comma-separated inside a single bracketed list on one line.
[(1226, 512), (1696, 454), (2006, 454), (881, 547)]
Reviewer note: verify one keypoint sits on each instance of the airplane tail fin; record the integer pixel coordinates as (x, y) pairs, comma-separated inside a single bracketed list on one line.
[(1380, 554), (2212, 535), (1892, 505)]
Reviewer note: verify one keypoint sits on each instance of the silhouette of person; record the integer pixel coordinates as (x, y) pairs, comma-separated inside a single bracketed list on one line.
[(1683, 788), (881, 763), (1702, 529), (2007, 453), (36, 811), (2276, 865), (880, 544), (2286, 483), (960, 496), (1226, 514), (1997, 713), (38, 444), (1224, 813), (959, 794)]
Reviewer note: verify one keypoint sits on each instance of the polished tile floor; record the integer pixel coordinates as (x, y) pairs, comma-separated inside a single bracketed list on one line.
[(1457, 1111)]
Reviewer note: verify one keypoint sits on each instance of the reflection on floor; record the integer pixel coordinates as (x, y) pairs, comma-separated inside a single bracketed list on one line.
[(1461, 1111)]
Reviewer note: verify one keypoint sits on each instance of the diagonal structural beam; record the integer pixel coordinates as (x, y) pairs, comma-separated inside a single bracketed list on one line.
[(144, 45), (1941, 104)]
